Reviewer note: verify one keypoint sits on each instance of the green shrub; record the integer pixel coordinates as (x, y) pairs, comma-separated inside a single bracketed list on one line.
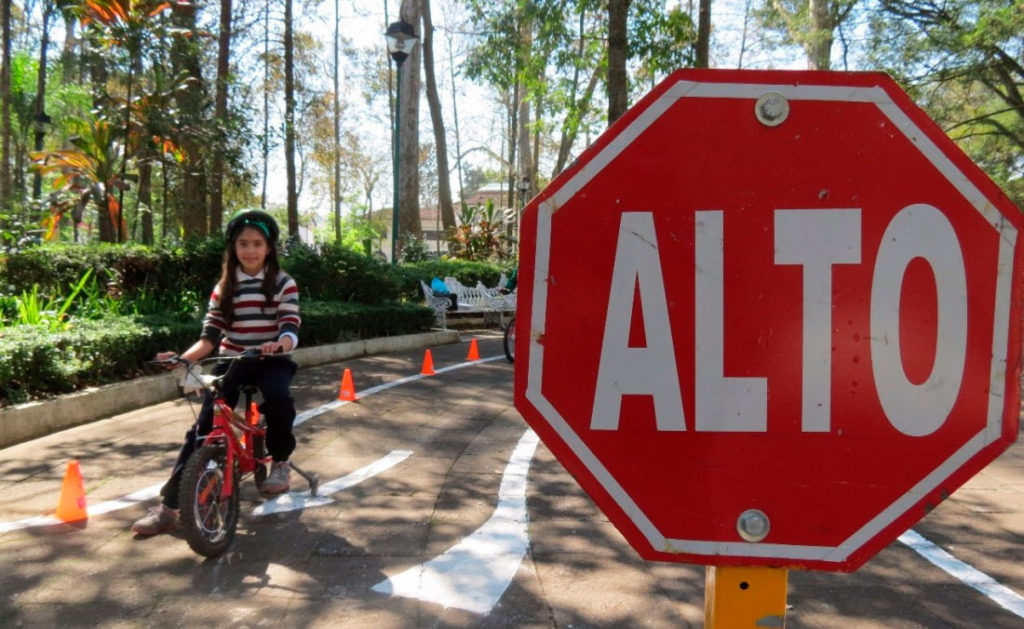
[(333, 322), (338, 273), (134, 268)]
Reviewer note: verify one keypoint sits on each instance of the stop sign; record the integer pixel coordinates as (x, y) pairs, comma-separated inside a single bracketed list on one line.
[(770, 318)]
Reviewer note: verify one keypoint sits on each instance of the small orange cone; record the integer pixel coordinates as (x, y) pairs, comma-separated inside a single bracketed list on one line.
[(254, 414), (71, 506), (428, 365), (474, 352), (348, 390)]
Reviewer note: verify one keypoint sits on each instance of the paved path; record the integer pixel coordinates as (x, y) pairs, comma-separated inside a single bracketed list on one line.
[(442, 512)]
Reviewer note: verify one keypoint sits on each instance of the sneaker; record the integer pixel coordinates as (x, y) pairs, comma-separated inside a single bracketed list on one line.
[(157, 520), (277, 482)]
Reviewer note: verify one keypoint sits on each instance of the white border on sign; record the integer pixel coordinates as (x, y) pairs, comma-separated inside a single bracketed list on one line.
[(1000, 340)]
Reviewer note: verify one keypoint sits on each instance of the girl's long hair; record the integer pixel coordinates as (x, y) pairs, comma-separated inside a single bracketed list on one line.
[(227, 282)]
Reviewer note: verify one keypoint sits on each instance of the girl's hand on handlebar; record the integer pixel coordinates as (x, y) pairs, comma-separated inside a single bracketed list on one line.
[(276, 347), (166, 359)]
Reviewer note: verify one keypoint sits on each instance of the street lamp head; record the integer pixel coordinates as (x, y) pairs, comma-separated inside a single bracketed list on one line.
[(401, 38), (523, 185)]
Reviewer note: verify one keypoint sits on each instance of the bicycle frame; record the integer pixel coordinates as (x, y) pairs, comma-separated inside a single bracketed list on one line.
[(239, 435)]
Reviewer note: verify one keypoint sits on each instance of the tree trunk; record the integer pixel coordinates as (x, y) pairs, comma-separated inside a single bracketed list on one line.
[(5, 108), (408, 135), (455, 121), (220, 113), (190, 105), (703, 33), (265, 144), (444, 187), (39, 117), (618, 87), (513, 144), (289, 122), (336, 155), (819, 48), (146, 200), (525, 165), (68, 60), (571, 127)]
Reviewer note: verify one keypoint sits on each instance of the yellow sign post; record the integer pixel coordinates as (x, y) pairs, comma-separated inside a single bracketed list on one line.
[(742, 597)]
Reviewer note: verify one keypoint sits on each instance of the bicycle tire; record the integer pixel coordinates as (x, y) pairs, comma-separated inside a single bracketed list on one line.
[(510, 340), (208, 520)]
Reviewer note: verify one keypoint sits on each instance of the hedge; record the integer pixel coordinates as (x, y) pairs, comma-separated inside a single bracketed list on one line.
[(35, 362), (330, 272)]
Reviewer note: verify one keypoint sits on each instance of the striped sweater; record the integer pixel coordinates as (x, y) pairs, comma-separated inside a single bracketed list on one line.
[(256, 320)]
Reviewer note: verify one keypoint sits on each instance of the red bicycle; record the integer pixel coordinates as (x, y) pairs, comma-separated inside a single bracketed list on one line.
[(234, 448)]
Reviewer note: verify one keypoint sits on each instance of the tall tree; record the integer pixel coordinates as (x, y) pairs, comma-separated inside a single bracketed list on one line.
[(220, 113), (444, 188), (618, 86), (185, 60), (703, 33), (336, 148), (289, 121), (5, 106), (39, 110), (808, 23), (408, 135), (265, 137)]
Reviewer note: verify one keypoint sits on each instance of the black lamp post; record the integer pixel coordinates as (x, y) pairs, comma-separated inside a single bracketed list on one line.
[(401, 38)]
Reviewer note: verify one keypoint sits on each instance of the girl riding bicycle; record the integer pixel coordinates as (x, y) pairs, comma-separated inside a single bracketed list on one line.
[(253, 305)]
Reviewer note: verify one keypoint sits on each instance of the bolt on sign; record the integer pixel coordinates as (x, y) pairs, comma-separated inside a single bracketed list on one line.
[(771, 318)]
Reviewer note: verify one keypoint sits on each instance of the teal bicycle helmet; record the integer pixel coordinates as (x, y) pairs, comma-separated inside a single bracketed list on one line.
[(257, 219)]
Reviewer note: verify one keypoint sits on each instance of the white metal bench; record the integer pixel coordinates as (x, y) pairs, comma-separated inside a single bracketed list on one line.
[(479, 298), (438, 303)]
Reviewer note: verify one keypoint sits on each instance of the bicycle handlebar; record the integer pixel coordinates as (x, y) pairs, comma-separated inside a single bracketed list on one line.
[(197, 380)]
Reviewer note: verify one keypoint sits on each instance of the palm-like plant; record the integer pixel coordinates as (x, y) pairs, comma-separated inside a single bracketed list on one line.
[(479, 233), (90, 170)]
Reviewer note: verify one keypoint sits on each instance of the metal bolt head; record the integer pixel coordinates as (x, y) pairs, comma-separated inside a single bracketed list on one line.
[(753, 525), (771, 109)]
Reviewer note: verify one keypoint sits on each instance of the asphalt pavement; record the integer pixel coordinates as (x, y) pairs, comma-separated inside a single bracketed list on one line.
[(437, 492)]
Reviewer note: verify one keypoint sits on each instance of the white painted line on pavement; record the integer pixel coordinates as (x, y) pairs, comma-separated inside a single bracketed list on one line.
[(474, 574), (104, 507), (310, 414), (154, 490), (1002, 595), (300, 500)]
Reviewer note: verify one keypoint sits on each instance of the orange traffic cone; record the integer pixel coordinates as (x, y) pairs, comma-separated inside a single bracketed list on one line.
[(474, 352), (428, 365), (254, 414), (71, 506), (348, 390)]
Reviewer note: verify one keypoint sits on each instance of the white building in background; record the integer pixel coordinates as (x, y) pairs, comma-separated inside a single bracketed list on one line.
[(430, 219)]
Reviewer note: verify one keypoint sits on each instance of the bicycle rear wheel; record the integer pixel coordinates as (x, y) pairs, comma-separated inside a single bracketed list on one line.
[(208, 518), (510, 340)]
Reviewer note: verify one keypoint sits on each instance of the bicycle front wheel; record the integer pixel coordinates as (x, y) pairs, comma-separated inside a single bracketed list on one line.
[(510, 340), (208, 517)]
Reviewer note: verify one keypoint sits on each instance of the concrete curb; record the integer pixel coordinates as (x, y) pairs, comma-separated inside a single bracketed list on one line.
[(23, 422)]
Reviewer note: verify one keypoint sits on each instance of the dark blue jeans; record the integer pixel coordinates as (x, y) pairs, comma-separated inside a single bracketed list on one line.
[(273, 377)]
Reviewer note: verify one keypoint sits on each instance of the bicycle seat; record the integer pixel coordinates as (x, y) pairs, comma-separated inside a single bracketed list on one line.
[(249, 389)]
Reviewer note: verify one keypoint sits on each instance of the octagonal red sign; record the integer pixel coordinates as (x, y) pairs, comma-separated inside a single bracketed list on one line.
[(770, 318)]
